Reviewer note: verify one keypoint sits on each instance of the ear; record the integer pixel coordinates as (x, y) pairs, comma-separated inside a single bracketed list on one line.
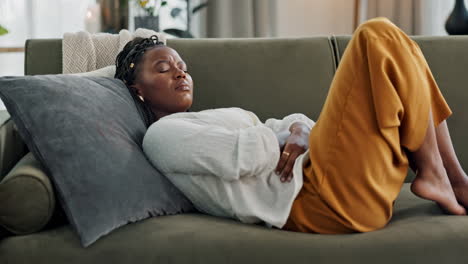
[(136, 88)]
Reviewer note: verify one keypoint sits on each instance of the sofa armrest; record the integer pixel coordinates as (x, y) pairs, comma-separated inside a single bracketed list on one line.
[(12, 146)]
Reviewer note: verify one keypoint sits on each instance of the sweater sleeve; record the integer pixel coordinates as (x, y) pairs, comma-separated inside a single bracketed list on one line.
[(281, 127), (183, 146)]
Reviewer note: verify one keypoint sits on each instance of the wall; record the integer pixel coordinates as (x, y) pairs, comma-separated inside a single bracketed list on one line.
[(297, 18), (324, 17)]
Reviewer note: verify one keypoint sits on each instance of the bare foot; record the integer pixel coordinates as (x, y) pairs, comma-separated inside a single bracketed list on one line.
[(431, 185), (461, 192)]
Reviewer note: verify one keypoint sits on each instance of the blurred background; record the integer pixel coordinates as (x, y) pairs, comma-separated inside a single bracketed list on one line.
[(24, 19)]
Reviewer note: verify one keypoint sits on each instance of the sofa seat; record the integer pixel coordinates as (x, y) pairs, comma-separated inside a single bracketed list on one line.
[(418, 233)]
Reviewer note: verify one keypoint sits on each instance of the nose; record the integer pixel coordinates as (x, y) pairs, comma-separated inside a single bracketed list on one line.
[(180, 74)]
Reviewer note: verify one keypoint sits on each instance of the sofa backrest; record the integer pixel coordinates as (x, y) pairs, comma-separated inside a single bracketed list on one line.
[(271, 77), (276, 77)]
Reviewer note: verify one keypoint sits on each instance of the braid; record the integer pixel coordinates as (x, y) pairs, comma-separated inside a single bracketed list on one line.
[(127, 68)]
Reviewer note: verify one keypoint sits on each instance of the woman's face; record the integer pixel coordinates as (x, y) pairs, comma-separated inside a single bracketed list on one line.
[(163, 81)]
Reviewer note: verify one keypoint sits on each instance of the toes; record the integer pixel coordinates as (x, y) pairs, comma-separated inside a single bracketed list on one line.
[(453, 209), (462, 210)]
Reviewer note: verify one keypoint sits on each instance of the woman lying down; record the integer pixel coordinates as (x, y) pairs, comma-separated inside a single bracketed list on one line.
[(230, 164)]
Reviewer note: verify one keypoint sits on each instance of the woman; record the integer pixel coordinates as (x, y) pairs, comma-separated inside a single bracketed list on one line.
[(383, 112)]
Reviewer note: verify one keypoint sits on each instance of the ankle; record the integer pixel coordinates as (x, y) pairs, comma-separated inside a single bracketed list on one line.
[(431, 162), (432, 171), (456, 175), (458, 179), (434, 164)]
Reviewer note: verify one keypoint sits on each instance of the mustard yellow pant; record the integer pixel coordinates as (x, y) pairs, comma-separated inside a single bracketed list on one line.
[(378, 104)]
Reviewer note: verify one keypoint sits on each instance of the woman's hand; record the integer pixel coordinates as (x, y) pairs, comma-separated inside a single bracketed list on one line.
[(296, 144)]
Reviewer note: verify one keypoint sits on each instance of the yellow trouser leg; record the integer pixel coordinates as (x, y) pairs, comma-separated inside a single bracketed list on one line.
[(378, 103)]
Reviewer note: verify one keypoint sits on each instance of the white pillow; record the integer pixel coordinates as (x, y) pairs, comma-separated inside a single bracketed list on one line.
[(108, 71)]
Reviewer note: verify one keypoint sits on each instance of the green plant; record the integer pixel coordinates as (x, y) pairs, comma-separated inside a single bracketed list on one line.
[(3, 30), (151, 8)]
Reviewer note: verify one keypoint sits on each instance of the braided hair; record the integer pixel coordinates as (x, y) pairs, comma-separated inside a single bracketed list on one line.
[(127, 68)]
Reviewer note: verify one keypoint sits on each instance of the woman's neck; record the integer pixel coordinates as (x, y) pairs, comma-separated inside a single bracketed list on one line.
[(159, 114)]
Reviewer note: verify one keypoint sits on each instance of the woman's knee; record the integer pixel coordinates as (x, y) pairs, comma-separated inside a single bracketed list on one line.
[(378, 27)]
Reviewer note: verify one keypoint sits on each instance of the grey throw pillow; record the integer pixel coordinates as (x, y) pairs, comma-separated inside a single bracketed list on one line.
[(87, 133)]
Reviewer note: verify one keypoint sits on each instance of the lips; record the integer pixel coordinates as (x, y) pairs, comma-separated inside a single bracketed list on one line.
[(183, 86)]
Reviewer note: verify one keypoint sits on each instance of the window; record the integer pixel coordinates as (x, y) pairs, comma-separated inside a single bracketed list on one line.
[(26, 19)]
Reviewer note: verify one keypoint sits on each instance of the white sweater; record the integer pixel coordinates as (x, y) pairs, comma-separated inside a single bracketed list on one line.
[(224, 159)]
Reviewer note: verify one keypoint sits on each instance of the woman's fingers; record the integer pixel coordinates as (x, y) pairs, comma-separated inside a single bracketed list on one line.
[(286, 162), (287, 170), (282, 161), (290, 176), (292, 149)]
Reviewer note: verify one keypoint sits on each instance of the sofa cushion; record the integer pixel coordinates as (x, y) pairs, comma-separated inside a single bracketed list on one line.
[(418, 233), (87, 133), (27, 197)]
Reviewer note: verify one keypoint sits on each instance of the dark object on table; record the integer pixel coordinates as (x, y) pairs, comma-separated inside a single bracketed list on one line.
[(149, 22), (177, 12), (178, 33), (150, 17), (457, 22), (114, 16)]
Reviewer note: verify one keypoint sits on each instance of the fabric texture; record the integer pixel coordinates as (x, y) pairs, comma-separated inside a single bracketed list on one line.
[(12, 147), (87, 133), (379, 102), (84, 52), (27, 197), (223, 160), (108, 71)]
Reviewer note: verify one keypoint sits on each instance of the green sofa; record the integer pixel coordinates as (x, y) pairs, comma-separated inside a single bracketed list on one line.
[(273, 78)]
